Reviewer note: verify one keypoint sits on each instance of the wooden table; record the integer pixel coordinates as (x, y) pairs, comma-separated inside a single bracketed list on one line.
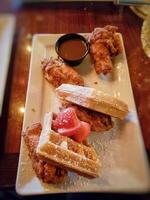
[(62, 18)]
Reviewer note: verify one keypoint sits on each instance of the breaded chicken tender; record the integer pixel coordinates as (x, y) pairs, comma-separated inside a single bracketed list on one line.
[(47, 172), (104, 43), (99, 122), (57, 72)]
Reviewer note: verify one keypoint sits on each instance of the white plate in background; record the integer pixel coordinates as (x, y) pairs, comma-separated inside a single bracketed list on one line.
[(141, 11), (7, 28), (120, 150)]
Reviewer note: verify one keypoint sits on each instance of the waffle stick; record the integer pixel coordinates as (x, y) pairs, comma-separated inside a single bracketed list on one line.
[(67, 153), (93, 99)]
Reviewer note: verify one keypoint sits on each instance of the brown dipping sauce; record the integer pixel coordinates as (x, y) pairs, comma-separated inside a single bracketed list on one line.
[(72, 49)]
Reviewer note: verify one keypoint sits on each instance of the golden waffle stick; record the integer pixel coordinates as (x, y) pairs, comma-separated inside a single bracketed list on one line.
[(93, 99), (67, 153)]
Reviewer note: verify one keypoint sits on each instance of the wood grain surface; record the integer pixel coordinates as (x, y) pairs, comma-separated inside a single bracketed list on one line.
[(65, 18)]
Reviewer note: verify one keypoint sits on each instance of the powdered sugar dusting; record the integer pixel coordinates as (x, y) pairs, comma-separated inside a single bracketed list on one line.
[(76, 89), (101, 143), (74, 182), (113, 151), (64, 145)]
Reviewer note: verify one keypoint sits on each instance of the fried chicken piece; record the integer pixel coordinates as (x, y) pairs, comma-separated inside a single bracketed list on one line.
[(104, 43), (98, 121), (102, 59), (44, 170), (57, 72)]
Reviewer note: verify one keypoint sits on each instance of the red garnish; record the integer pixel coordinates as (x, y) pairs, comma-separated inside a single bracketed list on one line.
[(67, 124), (83, 132), (69, 131), (66, 119)]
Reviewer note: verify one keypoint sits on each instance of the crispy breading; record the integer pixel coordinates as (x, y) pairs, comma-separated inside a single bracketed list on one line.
[(104, 43), (102, 59), (57, 72), (44, 170), (98, 121)]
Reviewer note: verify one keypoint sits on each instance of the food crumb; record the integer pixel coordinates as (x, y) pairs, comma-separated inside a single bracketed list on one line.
[(29, 36), (95, 82)]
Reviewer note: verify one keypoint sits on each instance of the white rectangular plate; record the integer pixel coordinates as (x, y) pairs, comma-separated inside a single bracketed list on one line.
[(120, 150), (7, 27)]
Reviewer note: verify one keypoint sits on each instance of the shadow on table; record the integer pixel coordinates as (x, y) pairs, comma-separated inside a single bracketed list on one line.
[(10, 194)]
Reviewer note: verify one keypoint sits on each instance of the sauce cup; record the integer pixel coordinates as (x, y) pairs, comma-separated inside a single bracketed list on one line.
[(72, 48)]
